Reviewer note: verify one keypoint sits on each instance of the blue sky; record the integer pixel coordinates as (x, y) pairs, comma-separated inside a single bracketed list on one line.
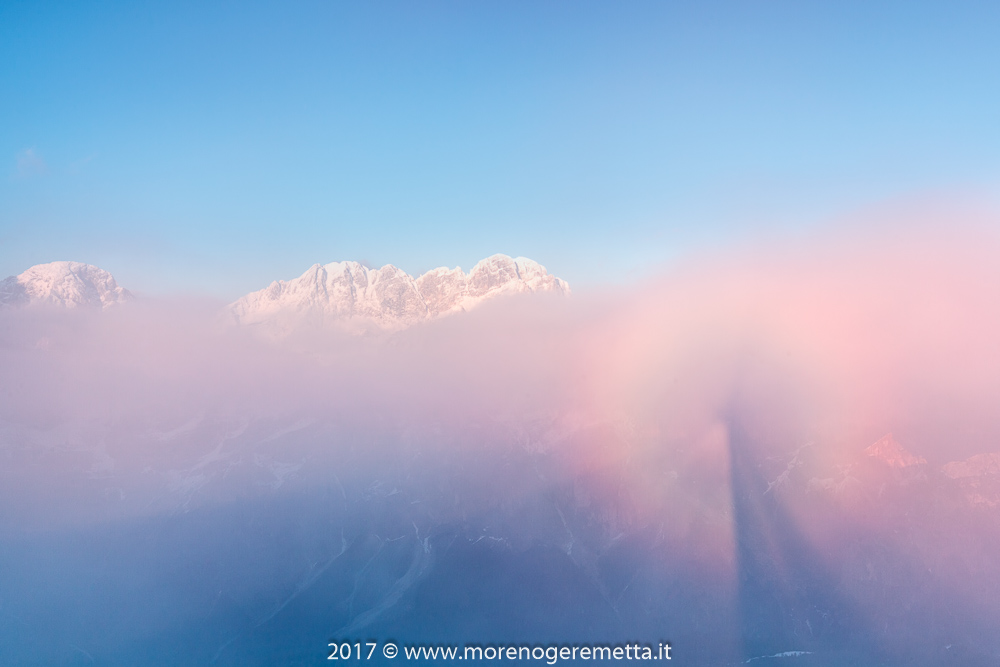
[(213, 147)]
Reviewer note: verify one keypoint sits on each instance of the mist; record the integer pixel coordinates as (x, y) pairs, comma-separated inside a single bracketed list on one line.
[(682, 460)]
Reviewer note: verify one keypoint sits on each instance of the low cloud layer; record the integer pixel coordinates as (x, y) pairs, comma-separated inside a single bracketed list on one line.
[(705, 432)]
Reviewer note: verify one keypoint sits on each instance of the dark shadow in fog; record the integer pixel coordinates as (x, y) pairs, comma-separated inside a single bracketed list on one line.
[(788, 596)]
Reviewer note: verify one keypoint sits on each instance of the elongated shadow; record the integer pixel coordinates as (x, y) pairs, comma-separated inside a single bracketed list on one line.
[(788, 598)]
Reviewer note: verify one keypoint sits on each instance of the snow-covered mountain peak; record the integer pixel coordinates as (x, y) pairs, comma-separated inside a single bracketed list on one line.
[(893, 454), (388, 297), (66, 284)]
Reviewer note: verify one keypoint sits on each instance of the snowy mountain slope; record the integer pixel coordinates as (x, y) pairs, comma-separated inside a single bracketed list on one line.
[(893, 454), (389, 297), (979, 478), (66, 284), (341, 290)]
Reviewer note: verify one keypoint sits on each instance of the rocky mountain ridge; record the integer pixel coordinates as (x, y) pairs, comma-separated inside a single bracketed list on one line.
[(336, 293), (388, 297), (65, 284)]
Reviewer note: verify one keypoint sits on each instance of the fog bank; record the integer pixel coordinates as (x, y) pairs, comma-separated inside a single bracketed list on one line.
[(685, 457)]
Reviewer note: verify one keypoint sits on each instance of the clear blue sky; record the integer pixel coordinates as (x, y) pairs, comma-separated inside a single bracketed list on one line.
[(213, 147)]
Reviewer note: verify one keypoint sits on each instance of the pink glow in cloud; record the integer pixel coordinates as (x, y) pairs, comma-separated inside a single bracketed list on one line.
[(714, 425)]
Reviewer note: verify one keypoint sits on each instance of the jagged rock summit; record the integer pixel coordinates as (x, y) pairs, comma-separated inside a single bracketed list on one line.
[(388, 297), (65, 284), (893, 454)]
